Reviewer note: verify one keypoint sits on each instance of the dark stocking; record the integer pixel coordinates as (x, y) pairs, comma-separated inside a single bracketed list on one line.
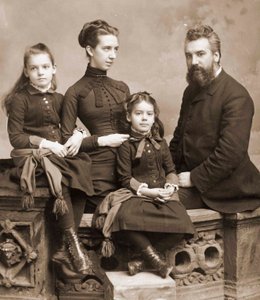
[(136, 239), (164, 241), (78, 203), (67, 220)]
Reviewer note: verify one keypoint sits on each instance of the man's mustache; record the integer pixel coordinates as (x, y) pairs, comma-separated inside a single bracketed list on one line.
[(195, 68)]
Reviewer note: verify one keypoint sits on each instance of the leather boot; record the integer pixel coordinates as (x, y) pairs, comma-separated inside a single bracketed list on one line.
[(135, 266), (153, 257), (61, 255), (77, 257)]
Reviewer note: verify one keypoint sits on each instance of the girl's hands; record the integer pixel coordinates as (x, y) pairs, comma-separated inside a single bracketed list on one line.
[(54, 147), (73, 143), (171, 188), (160, 194), (112, 140), (155, 192)]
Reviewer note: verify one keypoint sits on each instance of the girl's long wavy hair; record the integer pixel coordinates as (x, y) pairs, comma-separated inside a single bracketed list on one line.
[(23, 81), (136, 98)]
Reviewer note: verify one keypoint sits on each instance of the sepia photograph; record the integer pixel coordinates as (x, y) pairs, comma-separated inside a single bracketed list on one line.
[(129, 150)]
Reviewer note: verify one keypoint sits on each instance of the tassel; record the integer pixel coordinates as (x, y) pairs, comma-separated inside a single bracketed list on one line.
[(27, 201), (60, 206), (108, 248), (100, 221)]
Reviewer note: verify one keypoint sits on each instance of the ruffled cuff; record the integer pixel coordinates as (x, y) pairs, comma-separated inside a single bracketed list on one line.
[(171, 185)]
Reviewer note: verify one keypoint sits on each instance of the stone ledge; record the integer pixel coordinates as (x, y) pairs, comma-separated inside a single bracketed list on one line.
[(249, 289), (196, 215), (244, 215), (42, 192), (203, 215), (148, 286)]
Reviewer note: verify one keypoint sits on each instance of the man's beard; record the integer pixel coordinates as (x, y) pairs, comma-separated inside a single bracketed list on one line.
[(200, 76)]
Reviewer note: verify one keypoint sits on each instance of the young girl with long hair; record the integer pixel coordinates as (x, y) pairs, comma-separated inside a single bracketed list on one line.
[(150, 217), (34, 108)]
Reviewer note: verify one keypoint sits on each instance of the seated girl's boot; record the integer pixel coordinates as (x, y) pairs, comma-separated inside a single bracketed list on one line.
[(77, 257), (153, 257), (61, 255), (135, 266)]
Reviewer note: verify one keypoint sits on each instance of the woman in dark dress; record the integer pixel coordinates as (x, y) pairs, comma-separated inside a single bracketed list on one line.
[(153, 216), (97, 100)]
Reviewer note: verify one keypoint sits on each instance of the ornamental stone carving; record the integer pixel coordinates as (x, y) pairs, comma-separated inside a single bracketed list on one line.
[(198, 261), (15, 254)]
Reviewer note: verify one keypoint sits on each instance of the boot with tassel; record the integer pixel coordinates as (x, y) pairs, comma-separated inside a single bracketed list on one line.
[(80, 263), (153, 258)]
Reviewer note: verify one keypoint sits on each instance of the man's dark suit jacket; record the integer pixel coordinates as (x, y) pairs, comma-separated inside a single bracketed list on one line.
[(211, 141)]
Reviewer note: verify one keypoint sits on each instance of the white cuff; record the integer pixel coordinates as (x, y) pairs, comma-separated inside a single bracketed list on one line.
[(142, 185), (42, 143), (81, 130)]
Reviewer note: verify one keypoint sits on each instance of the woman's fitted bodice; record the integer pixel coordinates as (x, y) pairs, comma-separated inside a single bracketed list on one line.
[(97, 101), (100, 120)]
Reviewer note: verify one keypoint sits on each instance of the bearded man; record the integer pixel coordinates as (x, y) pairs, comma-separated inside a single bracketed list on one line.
[(210, 143)]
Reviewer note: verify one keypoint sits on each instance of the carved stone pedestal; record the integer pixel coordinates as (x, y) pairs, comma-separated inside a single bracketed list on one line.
[(242, 256), (24, 249), (93, 286), (198, 265), (26, 245)]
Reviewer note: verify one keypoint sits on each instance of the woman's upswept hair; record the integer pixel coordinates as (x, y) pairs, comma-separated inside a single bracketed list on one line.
[(23, 81), (136, 98), (204, 31), (90, 32)]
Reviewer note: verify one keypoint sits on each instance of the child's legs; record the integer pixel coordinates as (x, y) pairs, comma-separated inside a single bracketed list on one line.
[(163, 241), (137, 239), (67, 220), (69, 252), (78, 204), (141, 240)]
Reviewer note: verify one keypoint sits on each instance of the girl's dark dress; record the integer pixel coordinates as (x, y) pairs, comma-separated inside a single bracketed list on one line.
[(155, 168), (35, 115), (97, 101)]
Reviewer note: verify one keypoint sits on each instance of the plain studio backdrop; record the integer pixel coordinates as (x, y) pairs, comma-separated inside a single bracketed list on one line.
[(151, 39)]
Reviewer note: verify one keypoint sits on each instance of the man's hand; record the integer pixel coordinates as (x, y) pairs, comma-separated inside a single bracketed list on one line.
[(185, 180)]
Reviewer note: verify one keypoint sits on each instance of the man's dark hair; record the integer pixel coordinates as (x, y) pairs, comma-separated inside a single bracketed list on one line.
[(204, 31)]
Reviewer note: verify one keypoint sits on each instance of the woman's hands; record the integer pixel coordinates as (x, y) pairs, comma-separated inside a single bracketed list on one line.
[(73, 143), (112, 140), (71, 147)]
